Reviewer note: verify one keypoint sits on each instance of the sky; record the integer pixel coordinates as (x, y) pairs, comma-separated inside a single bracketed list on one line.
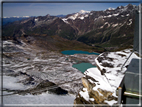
[(41, 8)]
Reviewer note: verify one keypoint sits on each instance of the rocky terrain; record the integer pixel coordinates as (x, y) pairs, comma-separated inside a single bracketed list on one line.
[(30, 71)]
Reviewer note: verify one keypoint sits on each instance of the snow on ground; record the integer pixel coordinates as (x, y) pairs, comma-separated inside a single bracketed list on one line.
[(84, 94), (12, 83), (96, 74), (43, 98), (7, 43), (127, 14), (111, 102)]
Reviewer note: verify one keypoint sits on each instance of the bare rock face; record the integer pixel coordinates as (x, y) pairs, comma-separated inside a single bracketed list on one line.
[(87, 84)]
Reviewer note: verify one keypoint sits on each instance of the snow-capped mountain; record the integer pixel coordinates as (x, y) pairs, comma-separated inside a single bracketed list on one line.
[(111, 8), (79, 15), (83, 12)]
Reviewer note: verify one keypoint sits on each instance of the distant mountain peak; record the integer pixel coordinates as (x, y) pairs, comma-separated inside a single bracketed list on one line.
[(18, 17), (26, 16), (111, 8), (83, 12)]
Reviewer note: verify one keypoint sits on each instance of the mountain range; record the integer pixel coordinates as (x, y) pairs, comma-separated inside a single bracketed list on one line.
[(7, 20), (111, 29)]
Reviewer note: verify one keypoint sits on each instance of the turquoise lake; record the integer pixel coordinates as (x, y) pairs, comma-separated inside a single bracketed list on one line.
[(81, 66), (72, 52)]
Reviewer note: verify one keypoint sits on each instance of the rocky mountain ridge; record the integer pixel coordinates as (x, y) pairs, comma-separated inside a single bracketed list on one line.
[(100, 83)]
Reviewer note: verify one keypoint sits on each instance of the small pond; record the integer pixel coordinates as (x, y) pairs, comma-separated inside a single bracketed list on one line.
[(83, 66)]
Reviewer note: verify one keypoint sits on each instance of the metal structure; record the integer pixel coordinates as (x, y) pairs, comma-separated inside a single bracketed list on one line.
[(130, 89)]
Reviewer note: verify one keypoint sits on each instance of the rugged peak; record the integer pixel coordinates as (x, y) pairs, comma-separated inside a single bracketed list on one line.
[(47, 15), (79, 15), (111, 8), (129, 5), (119, 7), (83, 12)]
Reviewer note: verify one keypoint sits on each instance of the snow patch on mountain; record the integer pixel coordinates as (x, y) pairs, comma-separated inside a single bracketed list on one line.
[(36, 20), (111, 15), (91, 13), (116, 14), (127, 14), (130, 22), (81, 18), (114, 25), (65, 20), (106, 23)]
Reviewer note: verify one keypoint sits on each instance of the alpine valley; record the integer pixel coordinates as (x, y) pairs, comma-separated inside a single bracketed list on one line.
[(36, 72)]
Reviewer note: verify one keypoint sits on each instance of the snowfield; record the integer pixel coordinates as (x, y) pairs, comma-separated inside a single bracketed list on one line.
[(42, 99), (12, 83)]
